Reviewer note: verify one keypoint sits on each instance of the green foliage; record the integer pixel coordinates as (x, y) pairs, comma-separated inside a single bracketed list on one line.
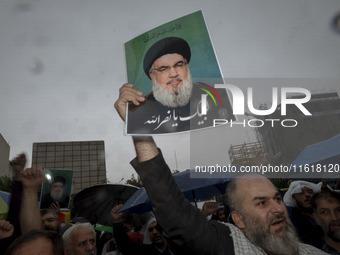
[(5, 183), (134, 181), (104, 181)]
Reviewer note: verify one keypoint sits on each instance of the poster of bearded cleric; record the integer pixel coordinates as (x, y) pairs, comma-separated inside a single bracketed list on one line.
[(176, 68), (56, 188)]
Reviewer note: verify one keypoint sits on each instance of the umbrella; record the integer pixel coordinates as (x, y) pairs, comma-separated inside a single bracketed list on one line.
[(325, 154), (193, 189), (4, 203), (138, 203), (95, 203), (199, 188), (327, 151)]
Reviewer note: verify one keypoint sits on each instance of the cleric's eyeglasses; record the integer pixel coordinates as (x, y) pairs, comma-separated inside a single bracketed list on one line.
[(166, 69)]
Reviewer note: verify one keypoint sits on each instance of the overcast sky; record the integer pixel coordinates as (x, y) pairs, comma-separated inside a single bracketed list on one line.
[(62, 63)]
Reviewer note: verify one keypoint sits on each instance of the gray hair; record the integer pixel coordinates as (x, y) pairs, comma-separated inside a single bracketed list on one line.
[(230, 198), (67, 236)]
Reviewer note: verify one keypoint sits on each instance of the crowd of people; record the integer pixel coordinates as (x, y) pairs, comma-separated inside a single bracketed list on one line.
[(256, 218)]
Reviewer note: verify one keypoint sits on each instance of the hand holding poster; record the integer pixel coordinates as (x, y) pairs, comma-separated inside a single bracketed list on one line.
[(175, 66)]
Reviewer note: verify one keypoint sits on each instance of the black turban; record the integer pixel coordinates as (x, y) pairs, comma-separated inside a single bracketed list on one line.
[(59, 179), (165, 46)]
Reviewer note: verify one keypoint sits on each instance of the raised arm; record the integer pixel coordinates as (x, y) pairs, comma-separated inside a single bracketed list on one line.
[(184, 223), (145, 146), (18, 166), (125, 245), (30, 218)]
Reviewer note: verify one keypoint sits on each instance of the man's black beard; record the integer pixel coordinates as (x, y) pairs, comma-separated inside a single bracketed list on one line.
[(334, 235)]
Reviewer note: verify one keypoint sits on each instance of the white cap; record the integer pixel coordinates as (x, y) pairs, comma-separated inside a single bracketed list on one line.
[(296, 187), (147, 239)]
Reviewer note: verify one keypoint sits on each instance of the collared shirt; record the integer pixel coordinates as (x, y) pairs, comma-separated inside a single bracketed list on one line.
[(242, 245), (329, 249)]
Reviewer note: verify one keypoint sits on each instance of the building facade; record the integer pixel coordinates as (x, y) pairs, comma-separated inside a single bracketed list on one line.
[(4, 157), (86, 159), (245, 154), (284, 144)]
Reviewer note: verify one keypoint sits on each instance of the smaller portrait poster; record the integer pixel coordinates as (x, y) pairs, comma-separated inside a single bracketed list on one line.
[(176, 68), (56, 188)]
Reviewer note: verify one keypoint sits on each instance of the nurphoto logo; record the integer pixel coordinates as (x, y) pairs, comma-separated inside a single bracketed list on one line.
[(238, 104)]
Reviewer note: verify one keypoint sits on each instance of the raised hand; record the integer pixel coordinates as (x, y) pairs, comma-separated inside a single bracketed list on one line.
[(6, 229), (18, 165), (32, 177), (209, 208), (117, 217), (127, 93)]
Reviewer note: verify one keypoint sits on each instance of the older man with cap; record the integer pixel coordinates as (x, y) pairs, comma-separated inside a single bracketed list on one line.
[(298, 200), (174, 104), (56, 194)]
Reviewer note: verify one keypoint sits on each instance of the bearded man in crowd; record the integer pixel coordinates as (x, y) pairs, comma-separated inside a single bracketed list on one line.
[(326, 206), (261, 221)]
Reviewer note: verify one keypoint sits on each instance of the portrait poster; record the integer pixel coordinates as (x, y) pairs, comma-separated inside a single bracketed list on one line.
[(154, 117), (56, 187)]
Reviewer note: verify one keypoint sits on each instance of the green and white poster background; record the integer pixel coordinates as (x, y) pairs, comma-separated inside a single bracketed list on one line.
[(192, 28), (48, 179)]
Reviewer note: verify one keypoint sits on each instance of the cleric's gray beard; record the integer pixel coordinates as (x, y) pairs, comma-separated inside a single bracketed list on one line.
[(175, 97), (260, 235), (56, 196)]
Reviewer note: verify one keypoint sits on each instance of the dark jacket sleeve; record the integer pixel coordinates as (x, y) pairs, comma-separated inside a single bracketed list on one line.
[(184, 223), (13, 215), (15, 205)]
